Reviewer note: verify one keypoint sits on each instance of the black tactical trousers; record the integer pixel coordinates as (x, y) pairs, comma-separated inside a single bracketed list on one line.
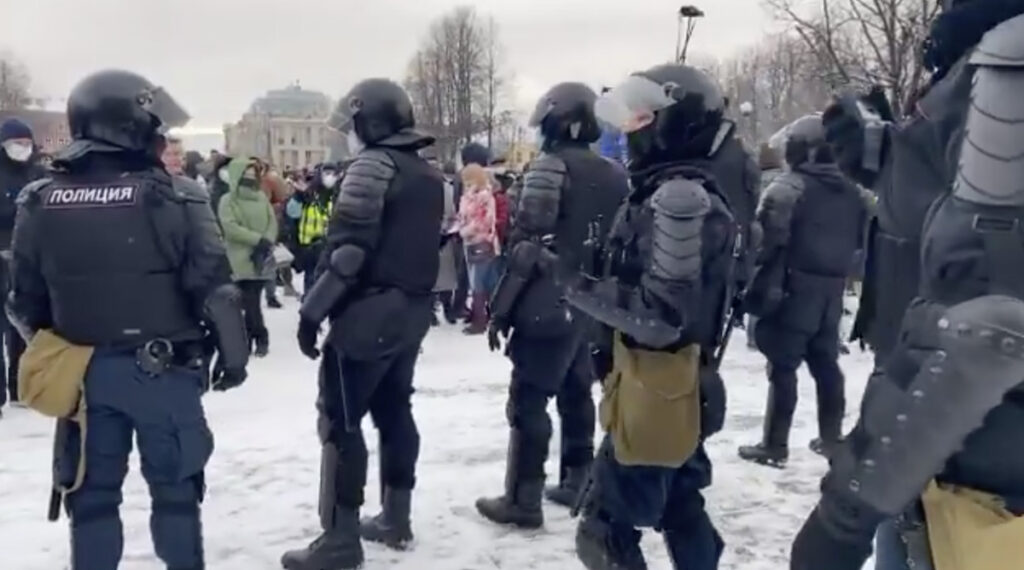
[(14, 344), (252, 299), (545, 368), (786, 349), (348, 390)]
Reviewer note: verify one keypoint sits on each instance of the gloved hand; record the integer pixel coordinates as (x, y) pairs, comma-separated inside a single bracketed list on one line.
[(223, 379), (262, 252), (307, 337), (815, 548), (845, 131), (496, 330)]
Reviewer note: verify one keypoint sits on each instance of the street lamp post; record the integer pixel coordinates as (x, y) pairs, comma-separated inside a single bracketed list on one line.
[(689, 14)]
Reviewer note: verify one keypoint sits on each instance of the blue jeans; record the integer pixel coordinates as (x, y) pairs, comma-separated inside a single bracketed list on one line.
[(166, 416)]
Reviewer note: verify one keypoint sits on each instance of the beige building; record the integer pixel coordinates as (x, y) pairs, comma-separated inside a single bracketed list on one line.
[(286, 127)]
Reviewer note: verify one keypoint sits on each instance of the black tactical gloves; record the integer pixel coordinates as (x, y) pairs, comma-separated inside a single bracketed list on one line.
[(224, 379), (261, 253), (815, 548), (307, 337), (855, 129)]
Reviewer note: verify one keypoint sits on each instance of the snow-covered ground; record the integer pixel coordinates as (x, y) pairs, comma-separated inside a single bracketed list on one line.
[(263, 476)]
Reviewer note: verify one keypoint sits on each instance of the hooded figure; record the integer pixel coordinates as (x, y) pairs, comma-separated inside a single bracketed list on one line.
[(219, 180), (250, 230)]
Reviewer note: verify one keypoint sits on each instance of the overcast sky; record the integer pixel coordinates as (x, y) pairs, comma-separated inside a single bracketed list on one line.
[(216, 56)]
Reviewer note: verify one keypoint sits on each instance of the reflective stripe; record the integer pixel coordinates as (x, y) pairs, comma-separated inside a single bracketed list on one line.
[(313, 223)]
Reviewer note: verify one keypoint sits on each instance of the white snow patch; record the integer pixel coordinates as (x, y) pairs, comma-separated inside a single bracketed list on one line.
[(262, 496)]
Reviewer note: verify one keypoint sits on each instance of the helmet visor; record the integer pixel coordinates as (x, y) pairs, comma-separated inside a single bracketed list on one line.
[(542, 109), (631, 105), (159, 103), (341, 119)]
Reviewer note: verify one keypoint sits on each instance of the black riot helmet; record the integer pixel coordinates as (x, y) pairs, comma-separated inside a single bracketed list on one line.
[(378, 112), (803, 141), (122, 109), (565, 114), (669, 113)]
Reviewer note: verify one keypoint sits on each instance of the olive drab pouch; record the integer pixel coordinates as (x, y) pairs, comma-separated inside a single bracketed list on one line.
[(651, 405), (51, 374), (971, 530)]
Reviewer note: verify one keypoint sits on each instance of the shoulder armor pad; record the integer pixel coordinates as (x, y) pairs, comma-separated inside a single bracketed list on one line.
[(681, 198), (1002, 46), (787, 185), (548, 162), (371, 166), (31, 191), (189, 190)]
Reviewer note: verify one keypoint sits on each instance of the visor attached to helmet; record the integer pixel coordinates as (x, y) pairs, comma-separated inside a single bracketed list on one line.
[(632, 105), (343, 117), (159, 103)]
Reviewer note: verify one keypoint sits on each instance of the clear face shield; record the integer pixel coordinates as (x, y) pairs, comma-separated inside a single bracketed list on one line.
[(159, 103), (342, 120), (632, 104)]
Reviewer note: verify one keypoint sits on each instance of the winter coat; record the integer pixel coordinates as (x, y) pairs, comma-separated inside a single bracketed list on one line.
[(13, 177), (246, 217), (478, 217), (501, 216), (447, 274)]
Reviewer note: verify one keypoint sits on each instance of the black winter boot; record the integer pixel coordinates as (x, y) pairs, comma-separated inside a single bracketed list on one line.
[(567, 492), (338, 548), (261, 340), (773, 450), (392, 526), (521, 504), (600, 545)]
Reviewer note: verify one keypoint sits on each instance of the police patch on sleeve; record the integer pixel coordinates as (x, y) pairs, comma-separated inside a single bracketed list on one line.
[(92, 196)]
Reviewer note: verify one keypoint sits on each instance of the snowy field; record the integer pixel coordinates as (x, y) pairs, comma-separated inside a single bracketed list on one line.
[(262, 495)]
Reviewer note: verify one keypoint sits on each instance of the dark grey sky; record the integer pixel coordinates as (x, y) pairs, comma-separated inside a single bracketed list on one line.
[(215, 56)]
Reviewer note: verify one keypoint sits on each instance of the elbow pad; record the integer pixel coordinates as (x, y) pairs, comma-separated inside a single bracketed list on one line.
[(223, 312), (334, 284), (522, 262)]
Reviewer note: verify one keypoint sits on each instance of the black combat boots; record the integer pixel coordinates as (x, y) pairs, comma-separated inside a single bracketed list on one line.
[(392, 526), (568, 489), (521, 504), (338, 548), (602, 545), (773, 450)]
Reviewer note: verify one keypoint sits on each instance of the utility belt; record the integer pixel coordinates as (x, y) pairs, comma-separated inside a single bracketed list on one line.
[(159, 355), (959, 528)]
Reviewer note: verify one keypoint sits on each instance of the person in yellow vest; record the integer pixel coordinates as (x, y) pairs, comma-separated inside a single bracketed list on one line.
[(311, 210)]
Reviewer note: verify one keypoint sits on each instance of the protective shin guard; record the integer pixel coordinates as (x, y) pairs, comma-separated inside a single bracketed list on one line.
[(521, 504), (338, 547)]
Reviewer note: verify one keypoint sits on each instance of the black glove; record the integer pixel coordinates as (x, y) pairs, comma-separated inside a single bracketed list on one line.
[(495, 332), (261, 253), (815, 548), (307, 336), (223, 379)]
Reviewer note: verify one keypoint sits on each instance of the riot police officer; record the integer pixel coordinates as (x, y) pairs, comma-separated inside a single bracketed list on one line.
[(570, 194), (812, 220), (945, 416), (376, 287), (664, 290), (111, 224)]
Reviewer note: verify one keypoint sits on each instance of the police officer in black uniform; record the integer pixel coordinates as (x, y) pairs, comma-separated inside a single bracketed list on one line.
[(112, 225), (813, 220), (375, 286), (569, 194), (664, 289), (948, 405)]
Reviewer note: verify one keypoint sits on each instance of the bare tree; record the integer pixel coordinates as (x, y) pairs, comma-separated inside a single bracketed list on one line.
[(859, 43), (14, 83), (456, 80)]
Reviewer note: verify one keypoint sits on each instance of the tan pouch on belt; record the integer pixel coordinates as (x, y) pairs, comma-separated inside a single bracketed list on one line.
[(651, 405), (51, 376), (971, 530)]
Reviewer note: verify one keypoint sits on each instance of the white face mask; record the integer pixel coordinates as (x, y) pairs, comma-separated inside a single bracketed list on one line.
[(355, 144), (18, 152), (224, 175), (329, 180)]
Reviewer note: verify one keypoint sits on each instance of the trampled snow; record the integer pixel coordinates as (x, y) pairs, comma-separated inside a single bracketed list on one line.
[(262, 480)]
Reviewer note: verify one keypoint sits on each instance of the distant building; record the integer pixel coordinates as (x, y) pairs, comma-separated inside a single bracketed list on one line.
[(286, 127), (49, 127)]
